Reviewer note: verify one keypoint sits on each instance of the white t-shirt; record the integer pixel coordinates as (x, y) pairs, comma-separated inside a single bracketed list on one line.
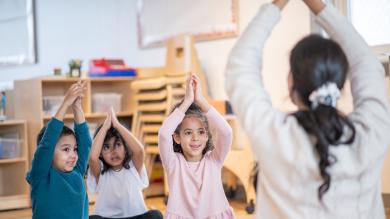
[(119, 194)]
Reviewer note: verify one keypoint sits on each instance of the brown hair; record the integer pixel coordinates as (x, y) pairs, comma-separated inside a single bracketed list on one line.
[(194, 111)]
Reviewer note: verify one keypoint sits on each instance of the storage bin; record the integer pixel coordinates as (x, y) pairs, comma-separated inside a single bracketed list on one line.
[(102, 102), (9, 148), (51, 104)]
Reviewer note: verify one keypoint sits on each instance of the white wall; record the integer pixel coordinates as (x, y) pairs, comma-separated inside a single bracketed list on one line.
[(105, 28), (86, 29)]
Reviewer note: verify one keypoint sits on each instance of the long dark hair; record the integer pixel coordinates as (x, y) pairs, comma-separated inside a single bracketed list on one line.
[(113, 133), (315, 61), (194, 111)]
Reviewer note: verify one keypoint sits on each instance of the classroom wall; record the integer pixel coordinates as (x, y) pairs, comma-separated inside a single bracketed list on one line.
[(105, 28)]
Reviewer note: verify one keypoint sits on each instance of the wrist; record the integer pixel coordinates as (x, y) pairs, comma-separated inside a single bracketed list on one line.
[(203, 104), (280, 3), (115, 125), (187, 103)]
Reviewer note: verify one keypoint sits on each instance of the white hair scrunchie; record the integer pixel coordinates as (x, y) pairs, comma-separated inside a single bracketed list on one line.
[(327, 94)]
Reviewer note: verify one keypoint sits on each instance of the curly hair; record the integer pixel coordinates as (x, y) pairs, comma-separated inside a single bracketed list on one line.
[(194, 111)]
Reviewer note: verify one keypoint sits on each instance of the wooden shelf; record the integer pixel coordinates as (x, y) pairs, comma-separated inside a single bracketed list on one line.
[(14, 201), (72, 80), (92, 115), (12, 160), (14, 192), (12, 122)]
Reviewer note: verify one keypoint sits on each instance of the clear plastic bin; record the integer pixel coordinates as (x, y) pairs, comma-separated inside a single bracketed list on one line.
[(102, 102), (9, 148), (51, 104)]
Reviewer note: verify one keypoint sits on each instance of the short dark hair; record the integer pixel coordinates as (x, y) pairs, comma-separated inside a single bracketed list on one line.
[(65, 131), (194, 111), (113, 133)]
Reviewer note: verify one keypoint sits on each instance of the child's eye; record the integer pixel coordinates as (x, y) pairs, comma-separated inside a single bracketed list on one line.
[(202, 132), (66, 149), (106, 147), (75, 149), (187, 133)]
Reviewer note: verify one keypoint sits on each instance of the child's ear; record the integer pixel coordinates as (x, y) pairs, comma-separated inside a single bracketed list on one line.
[(176, 138)]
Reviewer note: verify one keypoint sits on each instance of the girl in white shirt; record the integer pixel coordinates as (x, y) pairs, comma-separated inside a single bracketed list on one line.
[(117, 173), (315, 162)]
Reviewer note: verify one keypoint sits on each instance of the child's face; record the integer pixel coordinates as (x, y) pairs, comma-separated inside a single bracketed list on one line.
[(65, 154), (192, 137), (113, 153)]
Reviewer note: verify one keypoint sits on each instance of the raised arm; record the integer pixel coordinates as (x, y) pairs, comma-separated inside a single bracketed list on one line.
[(224, 131), (43, 156), (97, 144), (244, 81), (165, 141), (371, 113), (83, 137), (76, 106), (132, 142)]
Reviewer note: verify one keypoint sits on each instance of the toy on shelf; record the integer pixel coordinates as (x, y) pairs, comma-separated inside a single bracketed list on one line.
[(2, 106), (110, 68), (75, 68)]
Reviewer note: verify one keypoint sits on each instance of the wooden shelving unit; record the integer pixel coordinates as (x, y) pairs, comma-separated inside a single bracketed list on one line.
[(28, 101), (30, 93), (14, 190)]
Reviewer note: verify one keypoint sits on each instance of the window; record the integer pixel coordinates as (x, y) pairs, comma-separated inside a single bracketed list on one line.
[(17, 36), (371, 19)]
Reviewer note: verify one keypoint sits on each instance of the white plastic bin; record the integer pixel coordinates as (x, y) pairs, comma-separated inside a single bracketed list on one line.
[(9, 148), (51, 104), (102, 102)]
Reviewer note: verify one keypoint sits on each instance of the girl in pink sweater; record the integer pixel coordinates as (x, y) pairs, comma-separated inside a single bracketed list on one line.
[(192, 160)]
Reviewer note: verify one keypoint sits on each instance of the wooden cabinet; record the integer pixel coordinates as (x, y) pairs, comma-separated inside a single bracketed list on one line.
[(14, 163), (30, 98)]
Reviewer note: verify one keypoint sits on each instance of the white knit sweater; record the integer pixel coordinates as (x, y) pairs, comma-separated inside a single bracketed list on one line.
[(289, 176)]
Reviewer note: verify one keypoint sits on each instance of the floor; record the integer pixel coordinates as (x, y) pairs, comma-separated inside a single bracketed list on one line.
[(152, 203)]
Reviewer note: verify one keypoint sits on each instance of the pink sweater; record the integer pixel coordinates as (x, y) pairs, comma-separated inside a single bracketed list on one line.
[(195, 188)]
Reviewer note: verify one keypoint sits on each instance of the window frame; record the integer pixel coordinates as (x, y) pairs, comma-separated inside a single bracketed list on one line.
[(382, 51)]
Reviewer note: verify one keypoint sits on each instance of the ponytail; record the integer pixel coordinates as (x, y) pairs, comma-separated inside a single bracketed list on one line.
[(327, 125)]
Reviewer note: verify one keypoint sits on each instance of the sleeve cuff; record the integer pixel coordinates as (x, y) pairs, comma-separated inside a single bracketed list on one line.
[(179, 113), (55, 123), (81, 127), (212, 111)]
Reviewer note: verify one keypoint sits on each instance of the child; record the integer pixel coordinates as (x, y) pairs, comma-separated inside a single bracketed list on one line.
[(117, 173), (316, 162), (192, 163), (58, 167)]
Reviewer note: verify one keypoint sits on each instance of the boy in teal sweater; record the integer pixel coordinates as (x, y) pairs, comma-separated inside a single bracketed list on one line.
[(59, 164)]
